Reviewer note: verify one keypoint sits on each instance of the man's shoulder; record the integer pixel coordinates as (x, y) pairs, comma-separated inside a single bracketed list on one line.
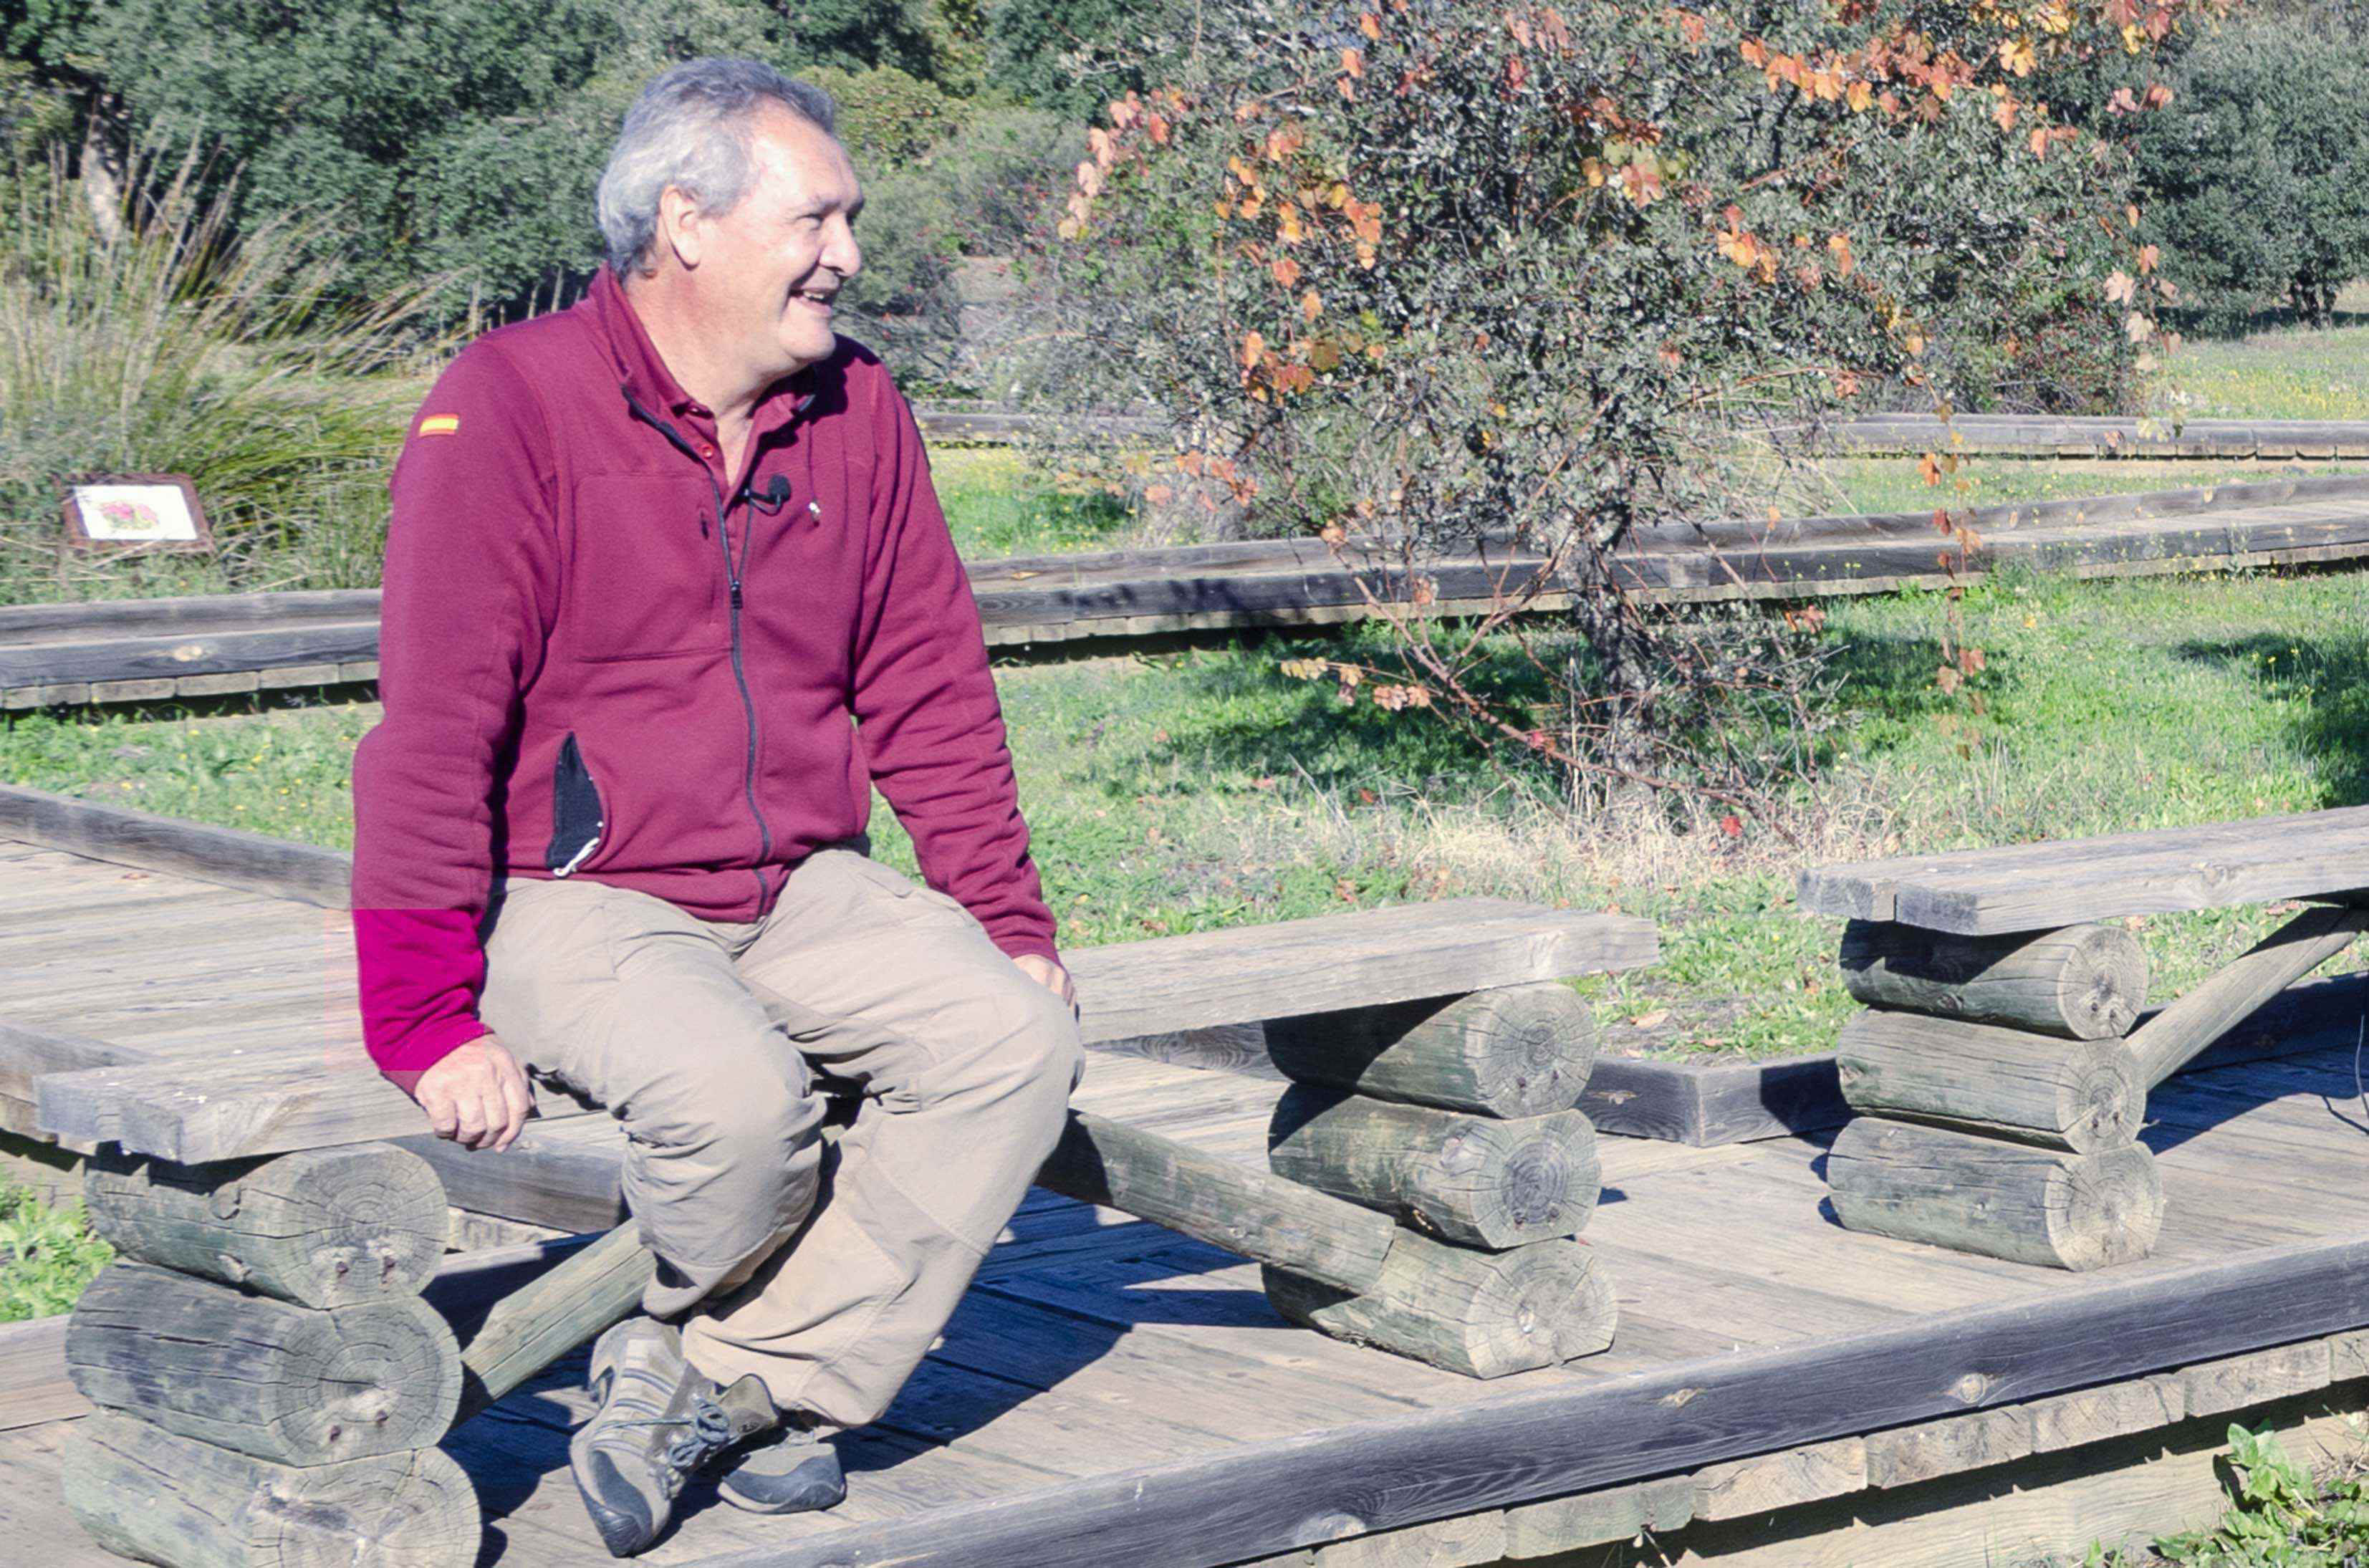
[(498, 379)]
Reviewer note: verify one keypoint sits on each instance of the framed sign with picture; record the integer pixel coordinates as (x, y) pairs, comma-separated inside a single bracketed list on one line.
[(145, 512)]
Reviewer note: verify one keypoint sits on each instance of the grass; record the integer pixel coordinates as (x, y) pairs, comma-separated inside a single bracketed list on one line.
[(1193, 790), (167, 349), (47, 1255)]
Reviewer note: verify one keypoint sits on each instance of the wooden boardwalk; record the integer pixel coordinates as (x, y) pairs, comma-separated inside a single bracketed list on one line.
[(1104, 1368), (156, 650)]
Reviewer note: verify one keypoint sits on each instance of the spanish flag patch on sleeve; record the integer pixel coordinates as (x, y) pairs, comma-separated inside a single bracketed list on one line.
[(441, 425)]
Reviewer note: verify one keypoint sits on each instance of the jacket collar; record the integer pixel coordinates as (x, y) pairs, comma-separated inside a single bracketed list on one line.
[(646, 379)]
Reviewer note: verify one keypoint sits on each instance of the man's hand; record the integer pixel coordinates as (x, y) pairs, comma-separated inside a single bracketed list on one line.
[(476, 1095), (1048, 973)]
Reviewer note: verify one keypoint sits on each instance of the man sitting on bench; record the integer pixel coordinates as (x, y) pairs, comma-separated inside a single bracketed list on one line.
[(667, 592)]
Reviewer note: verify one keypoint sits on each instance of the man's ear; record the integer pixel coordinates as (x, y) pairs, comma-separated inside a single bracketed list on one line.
[(681, 228)]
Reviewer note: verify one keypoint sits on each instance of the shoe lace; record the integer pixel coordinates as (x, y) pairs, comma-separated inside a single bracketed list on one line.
[(710, 1434)]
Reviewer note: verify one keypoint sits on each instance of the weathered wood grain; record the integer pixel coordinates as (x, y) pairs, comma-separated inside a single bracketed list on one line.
[(2166, 1042), (2086, 981), (1476, 1180), (226, 856), (322, 1228), (1765, 1484), (2005, 1201), (290, 1384), (1515, 1449), (1483, 1314), (2085, 1095), (1520, 1050), (1614, 1514), (224, 1509), (2031, 886), (1239, 1208), (543, 1320), (266, 1102)]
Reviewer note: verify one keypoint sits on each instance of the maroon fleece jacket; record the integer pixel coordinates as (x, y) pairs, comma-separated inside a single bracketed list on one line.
[(604, 656)]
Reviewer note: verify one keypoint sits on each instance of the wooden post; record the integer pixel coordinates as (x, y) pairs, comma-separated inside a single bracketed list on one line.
[(144, 1493), (327, 1227), (2163, 1043), (2083, 1095), (1472, 1179), (540, 1322), (296, 1385), (1483, 1314), (1513, 1051), (1229, 1205), (2005, 1201), (2085, 982)]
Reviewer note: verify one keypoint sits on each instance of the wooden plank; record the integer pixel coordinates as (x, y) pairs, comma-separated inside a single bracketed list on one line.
[(34, 1387), (2029, 886), (1368, 958), (264, 1103), (228, 857), (1224, 1507), (1706, 1104)]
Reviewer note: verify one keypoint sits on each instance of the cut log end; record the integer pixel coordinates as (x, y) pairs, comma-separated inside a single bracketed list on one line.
[(2000, 1199), (1477, 1180), (325, 1228), (1483, 1314), (2084, 982), (293, 1385), (1514, 1052), (227, 1510)]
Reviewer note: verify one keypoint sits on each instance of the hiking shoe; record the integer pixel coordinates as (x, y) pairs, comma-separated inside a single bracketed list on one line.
[(790, 1471), (660, 1422)]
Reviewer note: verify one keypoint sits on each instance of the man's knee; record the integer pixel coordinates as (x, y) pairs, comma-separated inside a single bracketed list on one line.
[(1021, 1043), (748, 1118)]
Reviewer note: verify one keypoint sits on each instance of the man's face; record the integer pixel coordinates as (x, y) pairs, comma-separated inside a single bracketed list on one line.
[(768, 269)]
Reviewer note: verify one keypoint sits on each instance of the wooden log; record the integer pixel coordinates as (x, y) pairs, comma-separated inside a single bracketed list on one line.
[(1226, 1204), (1483, 1314), (2163, 1043), (1512, 1052), (2000, 1199), (223, 1509), (1477, 1180), (291, 1384), (2084, 1095), (2085, 982), (540, 1322), (325, 1228)]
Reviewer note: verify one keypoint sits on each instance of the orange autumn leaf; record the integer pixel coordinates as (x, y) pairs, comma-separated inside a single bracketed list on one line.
[(1253, 349), (1285, 270)]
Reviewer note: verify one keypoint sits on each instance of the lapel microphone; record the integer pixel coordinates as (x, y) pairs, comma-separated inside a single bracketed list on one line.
[(776, 496)]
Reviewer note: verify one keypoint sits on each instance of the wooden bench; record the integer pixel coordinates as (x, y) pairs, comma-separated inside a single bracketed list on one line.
[(279, 1209), (2003, 1067)]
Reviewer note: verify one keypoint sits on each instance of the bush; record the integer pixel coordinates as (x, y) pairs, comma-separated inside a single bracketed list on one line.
[(2257, 176), (976, 194), (1465, 273), (172, 350), (450, 140)]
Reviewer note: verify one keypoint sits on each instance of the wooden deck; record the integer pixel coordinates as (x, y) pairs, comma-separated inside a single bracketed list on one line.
[(1110, 1394)]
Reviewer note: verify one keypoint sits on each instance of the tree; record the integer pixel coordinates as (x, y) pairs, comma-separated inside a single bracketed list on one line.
[(1445, 275), (2257, 174)]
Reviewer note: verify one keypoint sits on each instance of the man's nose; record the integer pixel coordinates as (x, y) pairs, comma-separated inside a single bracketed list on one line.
[(839, 251)]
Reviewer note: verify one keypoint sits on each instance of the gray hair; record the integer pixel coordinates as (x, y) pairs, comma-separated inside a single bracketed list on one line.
[(690, 130)]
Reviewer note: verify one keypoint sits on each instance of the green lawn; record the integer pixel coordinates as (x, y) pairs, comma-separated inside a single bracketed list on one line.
[(1201, 789)]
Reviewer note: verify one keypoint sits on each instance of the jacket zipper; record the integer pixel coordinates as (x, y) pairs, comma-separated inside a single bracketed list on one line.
[(739, 670)]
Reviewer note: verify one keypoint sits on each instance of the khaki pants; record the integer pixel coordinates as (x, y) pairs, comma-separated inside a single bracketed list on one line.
[(825, 1266)]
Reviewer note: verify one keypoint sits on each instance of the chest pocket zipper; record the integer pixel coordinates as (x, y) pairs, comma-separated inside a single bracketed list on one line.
[(577, 816)]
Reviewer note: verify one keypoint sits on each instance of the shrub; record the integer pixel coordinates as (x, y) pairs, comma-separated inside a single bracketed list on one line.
[(2257, 176), (172, 350), (1448, 274)]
